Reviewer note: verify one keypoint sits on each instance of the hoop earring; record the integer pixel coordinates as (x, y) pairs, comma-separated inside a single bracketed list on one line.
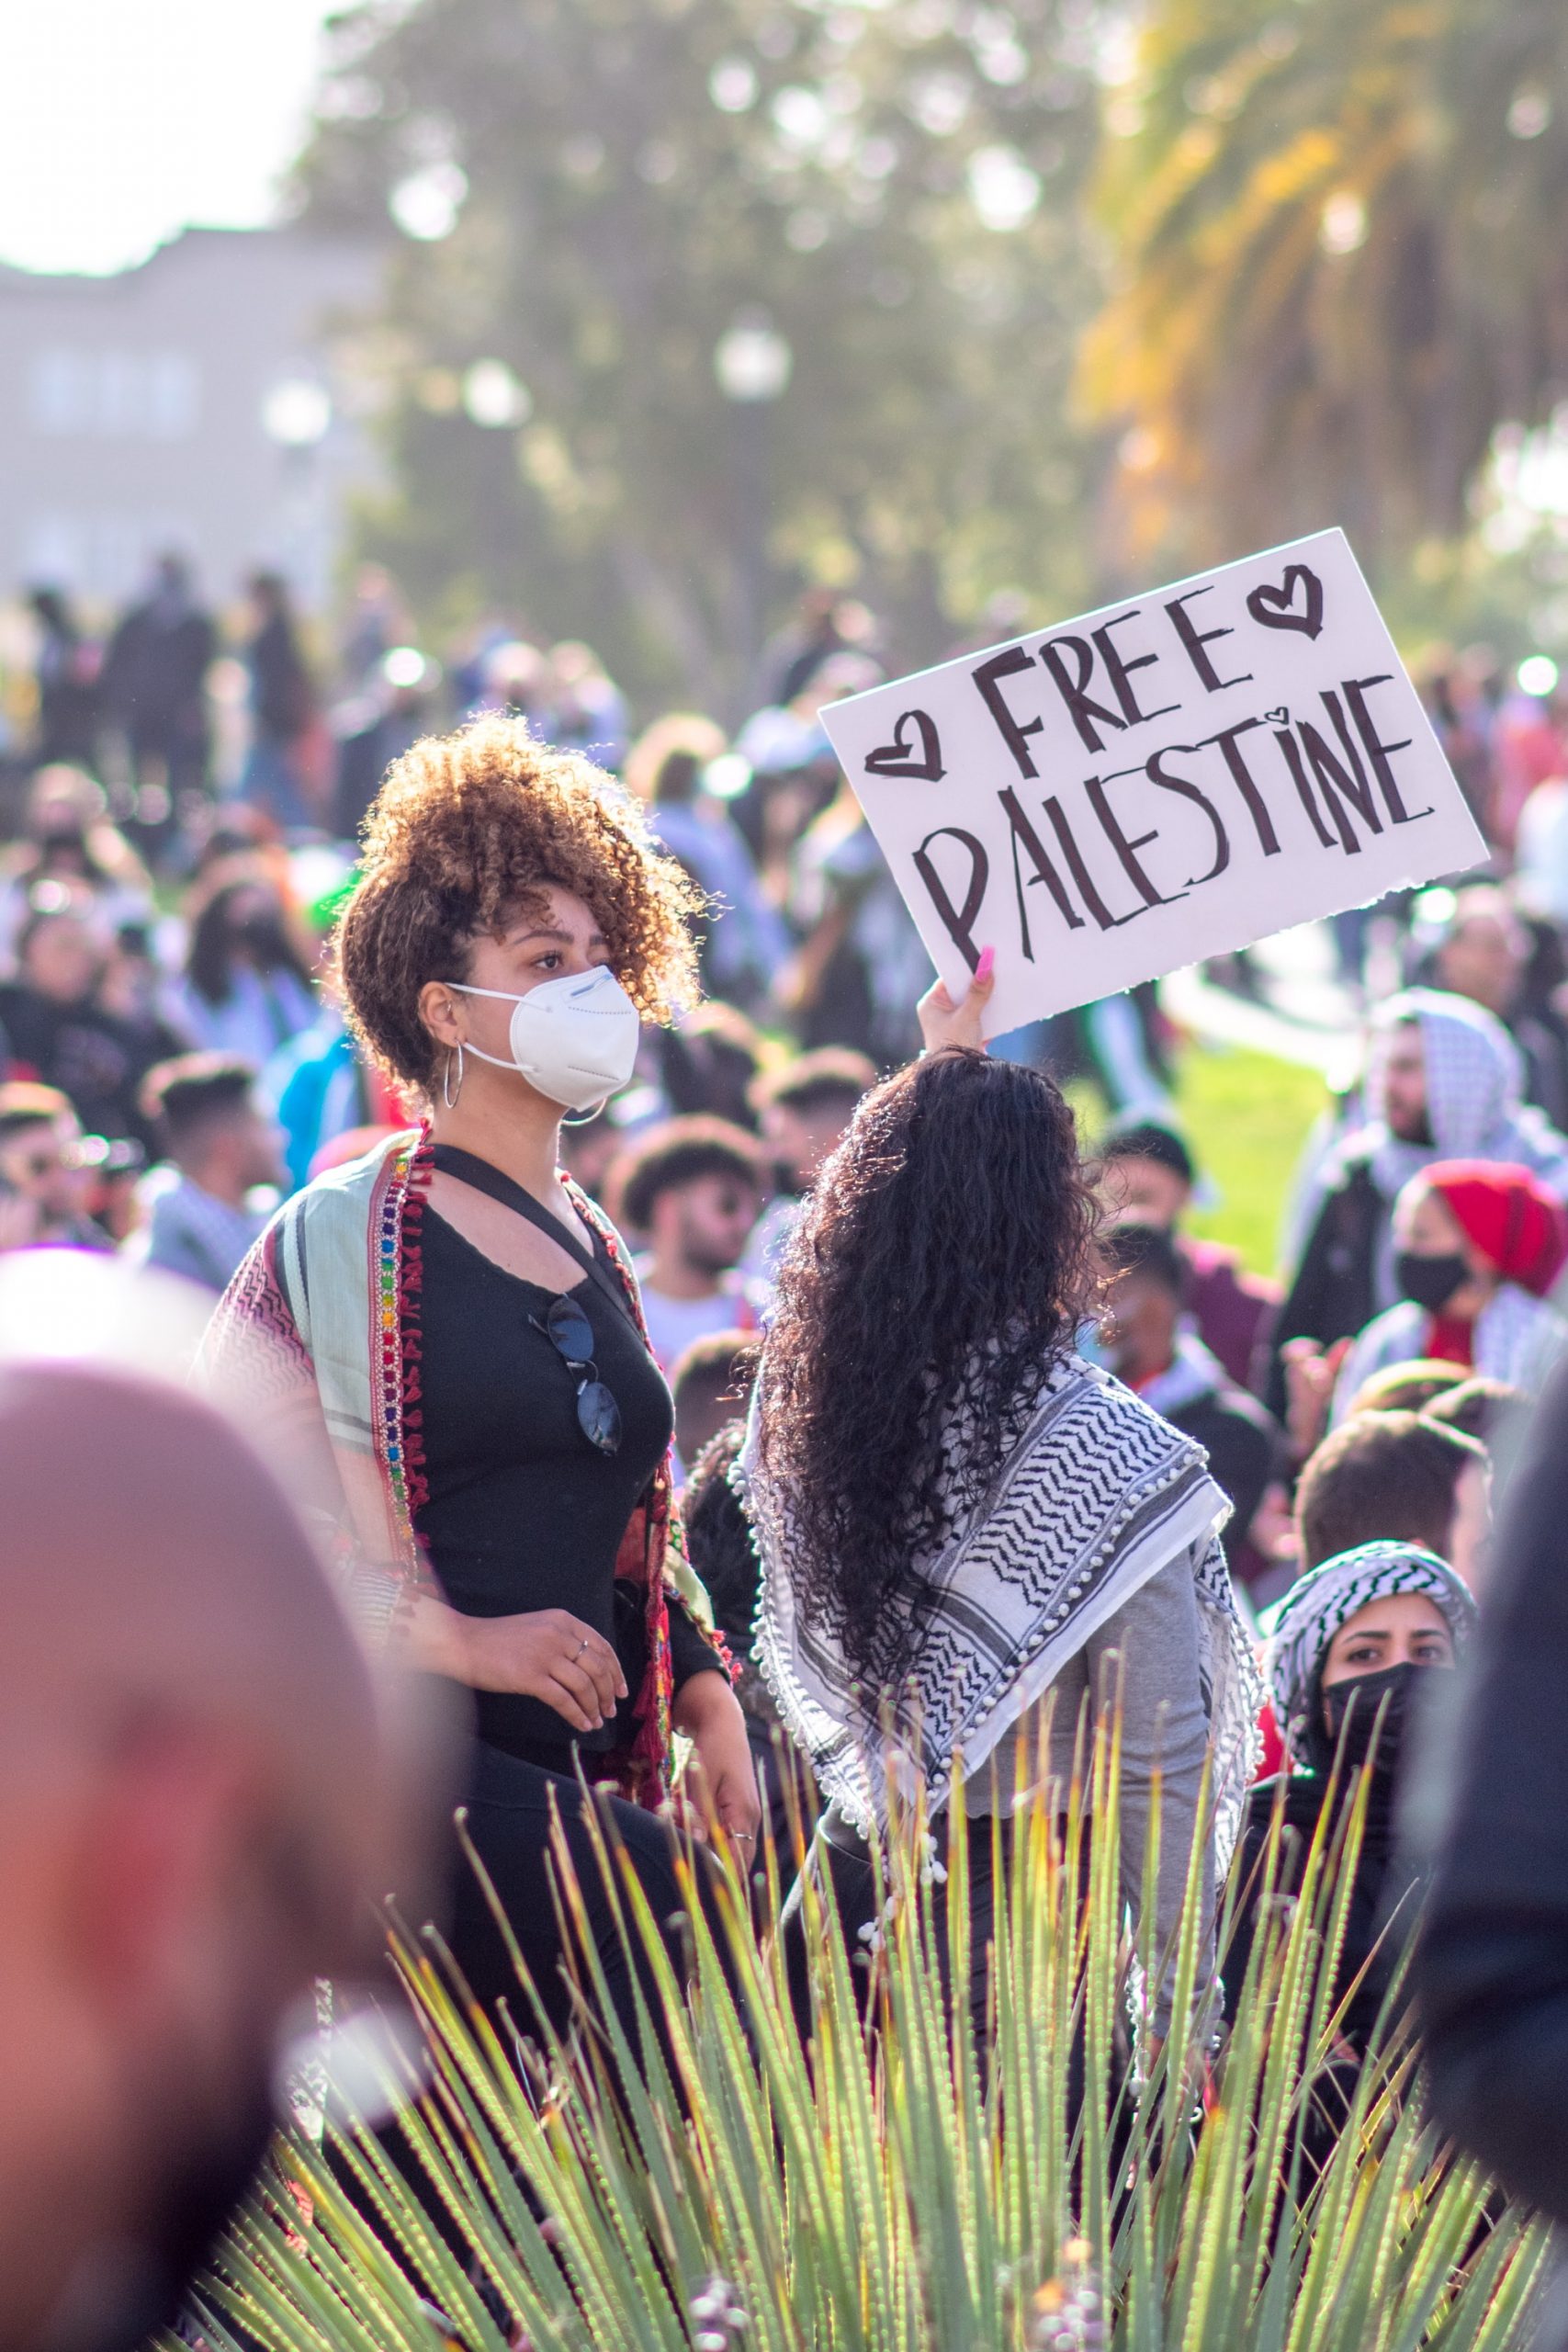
[(449, 1092)]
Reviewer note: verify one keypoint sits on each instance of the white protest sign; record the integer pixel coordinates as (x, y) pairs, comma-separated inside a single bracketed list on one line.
[(1169, 778)]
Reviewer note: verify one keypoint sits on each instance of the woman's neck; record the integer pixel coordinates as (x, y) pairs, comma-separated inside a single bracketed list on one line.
[(511, 1127), (1471, 1301)]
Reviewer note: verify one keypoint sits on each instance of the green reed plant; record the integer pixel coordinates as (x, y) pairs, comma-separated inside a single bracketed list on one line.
[(906, 2177)]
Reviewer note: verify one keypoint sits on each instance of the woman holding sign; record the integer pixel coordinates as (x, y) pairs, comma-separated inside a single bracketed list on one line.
[(961, 1523)]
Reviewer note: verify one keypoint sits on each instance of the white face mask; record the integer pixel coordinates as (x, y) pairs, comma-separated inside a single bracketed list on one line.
[(574, 1038)]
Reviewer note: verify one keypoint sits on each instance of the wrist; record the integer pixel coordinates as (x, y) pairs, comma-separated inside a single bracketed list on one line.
[(702, 1699), (443, 1641)]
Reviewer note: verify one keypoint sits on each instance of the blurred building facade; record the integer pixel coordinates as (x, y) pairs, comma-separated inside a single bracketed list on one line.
[(192, 402)]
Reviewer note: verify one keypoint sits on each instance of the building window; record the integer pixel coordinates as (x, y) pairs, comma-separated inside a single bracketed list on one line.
[(59, 395), (103, 554), (114, 395), (174, 396)]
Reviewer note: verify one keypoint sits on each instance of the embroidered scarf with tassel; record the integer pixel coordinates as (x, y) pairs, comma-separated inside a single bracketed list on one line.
[(318, 1337)]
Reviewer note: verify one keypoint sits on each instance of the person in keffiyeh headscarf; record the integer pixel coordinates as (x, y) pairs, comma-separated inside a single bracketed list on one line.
[(1357, 1649), (1478, 1244), (1443, 1081)]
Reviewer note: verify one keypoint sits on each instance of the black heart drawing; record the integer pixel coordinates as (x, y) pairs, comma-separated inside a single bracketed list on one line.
[(898, 759), (1280, 717), (1275, 607)]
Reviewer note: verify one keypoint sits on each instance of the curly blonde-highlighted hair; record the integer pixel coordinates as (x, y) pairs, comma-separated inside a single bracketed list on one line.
[(466, 829)]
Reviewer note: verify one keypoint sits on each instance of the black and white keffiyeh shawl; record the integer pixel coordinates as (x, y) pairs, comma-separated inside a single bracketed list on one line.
[(1096, 1496)]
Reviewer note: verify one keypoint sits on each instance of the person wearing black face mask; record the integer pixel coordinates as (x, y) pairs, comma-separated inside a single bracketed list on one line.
[(1478, 1245), (1348, 1667)]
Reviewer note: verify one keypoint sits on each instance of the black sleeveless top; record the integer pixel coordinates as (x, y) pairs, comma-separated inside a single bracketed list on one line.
[(523, 1512)]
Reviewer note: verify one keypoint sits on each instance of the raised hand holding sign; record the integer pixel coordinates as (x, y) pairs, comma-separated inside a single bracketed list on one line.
[(947, 1021), (1168, 779)]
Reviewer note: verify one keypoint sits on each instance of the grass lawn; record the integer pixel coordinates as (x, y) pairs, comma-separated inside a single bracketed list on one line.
[(1245, 1116)]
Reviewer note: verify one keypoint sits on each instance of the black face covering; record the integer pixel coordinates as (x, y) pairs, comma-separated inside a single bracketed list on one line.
[(1404, 1690), (1430, 1281)]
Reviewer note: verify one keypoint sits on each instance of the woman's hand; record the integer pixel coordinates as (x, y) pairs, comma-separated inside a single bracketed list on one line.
[(722, 1776), (544, 1654), (945, 1024)]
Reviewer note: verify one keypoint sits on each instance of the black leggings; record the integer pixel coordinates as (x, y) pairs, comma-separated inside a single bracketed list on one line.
[(843, 1853), (510, 1815), (510, 1821)]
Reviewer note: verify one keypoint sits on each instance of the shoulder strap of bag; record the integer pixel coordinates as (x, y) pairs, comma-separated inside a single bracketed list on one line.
[(470, 1169)]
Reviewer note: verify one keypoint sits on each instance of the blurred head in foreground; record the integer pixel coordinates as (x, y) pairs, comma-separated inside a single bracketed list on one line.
[(190, 1785)]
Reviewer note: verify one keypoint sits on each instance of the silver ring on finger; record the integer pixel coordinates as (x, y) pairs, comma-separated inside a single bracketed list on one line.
[(580, 1648)]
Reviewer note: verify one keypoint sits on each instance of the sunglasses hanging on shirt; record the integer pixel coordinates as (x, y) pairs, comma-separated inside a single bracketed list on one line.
[(570, 1333)]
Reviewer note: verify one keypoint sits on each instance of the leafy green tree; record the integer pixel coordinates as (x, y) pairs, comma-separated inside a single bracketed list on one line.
[(895, 187), (1340, 259)]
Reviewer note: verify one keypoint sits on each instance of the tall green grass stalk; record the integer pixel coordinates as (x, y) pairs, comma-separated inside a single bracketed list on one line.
[(899, 2182)]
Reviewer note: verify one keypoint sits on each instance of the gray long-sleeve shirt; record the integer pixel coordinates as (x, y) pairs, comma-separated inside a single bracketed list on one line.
[(1164, 1724)]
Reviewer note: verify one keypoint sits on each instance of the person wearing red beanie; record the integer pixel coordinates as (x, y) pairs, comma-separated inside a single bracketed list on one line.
[(1518, 1228), (1478, 1246)]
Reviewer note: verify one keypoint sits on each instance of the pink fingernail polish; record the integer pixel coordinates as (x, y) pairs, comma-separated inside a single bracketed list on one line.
[(987, 958)]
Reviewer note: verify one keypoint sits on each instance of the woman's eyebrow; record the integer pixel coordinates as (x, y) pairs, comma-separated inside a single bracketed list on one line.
[(520, 938)]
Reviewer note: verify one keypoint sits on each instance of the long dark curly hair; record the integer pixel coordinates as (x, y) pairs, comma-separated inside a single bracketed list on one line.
[(944, 1262)]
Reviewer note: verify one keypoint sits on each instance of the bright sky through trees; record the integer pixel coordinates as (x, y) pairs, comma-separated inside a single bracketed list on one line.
[(123, 120)]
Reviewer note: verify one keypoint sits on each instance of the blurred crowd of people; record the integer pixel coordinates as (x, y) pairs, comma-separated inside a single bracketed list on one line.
[(172, 1056), (176, 1062)]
